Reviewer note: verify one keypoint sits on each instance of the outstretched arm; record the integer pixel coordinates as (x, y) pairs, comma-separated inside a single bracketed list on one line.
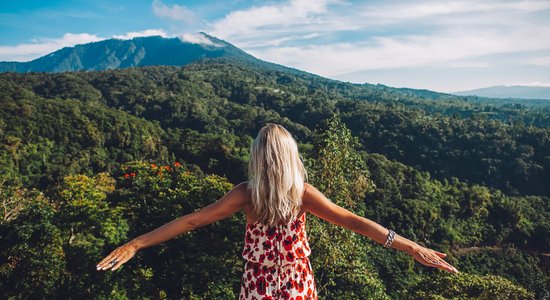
[(230, 203), (319, 205)]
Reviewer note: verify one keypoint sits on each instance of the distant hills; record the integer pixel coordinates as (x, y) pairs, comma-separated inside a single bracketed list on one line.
[(180, 51), (521, 92), (138, 52)]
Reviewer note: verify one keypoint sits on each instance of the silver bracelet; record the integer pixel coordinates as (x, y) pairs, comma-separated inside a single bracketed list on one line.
[(389, 239)]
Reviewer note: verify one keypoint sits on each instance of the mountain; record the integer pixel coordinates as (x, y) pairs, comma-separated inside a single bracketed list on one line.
[(521, 92), (137, 52)]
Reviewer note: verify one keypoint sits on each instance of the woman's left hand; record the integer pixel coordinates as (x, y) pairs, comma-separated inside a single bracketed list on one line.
[(432, 258), (117, 257)]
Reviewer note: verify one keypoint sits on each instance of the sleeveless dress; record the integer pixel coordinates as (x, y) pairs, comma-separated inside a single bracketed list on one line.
[(277, 264)]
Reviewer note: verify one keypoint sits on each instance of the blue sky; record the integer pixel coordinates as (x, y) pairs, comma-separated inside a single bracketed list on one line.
[(438, 45)]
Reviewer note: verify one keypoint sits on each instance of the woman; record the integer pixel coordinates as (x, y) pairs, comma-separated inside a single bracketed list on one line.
[(275, 200)]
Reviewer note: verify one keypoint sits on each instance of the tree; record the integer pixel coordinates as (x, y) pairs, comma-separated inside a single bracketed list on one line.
[(338, 254)]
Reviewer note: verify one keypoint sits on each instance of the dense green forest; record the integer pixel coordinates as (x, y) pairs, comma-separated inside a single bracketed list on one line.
[(89, 160)]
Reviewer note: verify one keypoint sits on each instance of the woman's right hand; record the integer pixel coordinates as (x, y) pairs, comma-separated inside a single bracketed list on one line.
[(117, 257), (432, 258)]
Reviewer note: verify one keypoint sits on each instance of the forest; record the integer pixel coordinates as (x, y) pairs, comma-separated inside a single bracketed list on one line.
[(89, 160)]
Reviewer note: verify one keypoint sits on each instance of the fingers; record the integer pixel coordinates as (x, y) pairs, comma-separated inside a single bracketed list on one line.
[(107, 262), (425, 260), (120, 262), (443, 265), (447, 267), (435, 260), (116, 258), (442, 255)]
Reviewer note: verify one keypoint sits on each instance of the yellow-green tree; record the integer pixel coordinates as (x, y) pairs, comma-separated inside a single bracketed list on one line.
[(338, 254)]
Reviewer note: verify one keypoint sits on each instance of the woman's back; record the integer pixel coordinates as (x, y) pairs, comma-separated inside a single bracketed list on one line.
[(277, 263)]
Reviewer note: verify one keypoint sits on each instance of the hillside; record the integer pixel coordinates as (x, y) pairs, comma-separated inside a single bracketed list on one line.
[(159, 51), (448, 173), (466, 141)]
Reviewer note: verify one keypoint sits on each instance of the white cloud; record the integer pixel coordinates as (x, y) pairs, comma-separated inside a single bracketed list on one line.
[(539, 61), (175, 12), (147, 32), (272, 19), (198, 38), (275, 41), (450, 49), (424, 9), (40, 47), (390, 35)]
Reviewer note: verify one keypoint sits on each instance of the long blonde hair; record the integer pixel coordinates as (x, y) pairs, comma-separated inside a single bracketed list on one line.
[(276, 176)]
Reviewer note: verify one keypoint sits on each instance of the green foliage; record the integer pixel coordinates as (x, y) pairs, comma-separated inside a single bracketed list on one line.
[(50, 247), (32, 255), (14, 198), (426, 165), (156, 194), (62, 137), (445, 135), (468, 286), (338, 258), (459, 219)]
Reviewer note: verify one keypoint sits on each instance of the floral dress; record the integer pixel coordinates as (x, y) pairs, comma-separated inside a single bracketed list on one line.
[(277, 264)]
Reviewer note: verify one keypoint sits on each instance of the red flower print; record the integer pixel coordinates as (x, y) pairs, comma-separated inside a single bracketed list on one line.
[(301, 286), (290, 256), (287, 243), (249, 238), (277, 264), (261, 284), (257, 270), (271, 232), (126, 175)]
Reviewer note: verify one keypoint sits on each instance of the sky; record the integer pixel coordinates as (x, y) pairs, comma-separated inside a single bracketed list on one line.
[(444, 46)]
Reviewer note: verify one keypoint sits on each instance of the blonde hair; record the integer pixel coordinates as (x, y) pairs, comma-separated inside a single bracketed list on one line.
[(276, 176)]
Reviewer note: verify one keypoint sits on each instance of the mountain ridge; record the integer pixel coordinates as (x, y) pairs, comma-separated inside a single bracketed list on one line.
[(514, 91), (137, 52), (148, 51)]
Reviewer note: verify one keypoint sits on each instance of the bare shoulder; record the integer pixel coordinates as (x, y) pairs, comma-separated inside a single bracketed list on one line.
[(311, 195), (243, 186), (310, 190), (241, 190)]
